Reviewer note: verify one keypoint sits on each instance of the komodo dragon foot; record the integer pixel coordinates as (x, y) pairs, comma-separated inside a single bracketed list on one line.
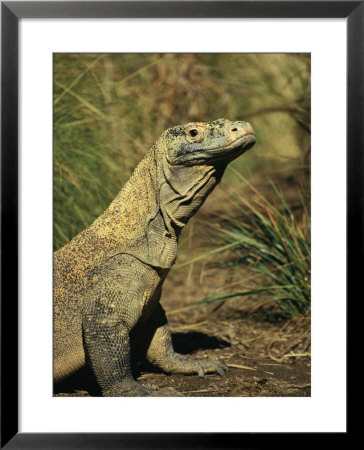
[(177, 363)]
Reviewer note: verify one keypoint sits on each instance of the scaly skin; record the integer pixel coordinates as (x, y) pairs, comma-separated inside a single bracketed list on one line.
[(108, 279)]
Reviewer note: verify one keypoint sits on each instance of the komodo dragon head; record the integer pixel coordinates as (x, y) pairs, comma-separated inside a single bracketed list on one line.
[(207, 143)]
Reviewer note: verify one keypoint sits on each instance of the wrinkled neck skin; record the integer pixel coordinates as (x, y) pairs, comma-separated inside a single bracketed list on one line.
[(182, 190)]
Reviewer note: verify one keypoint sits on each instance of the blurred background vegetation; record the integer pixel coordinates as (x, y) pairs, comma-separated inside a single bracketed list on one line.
[(254, 229)]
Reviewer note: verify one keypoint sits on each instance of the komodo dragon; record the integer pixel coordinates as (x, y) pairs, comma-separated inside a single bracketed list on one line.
[(108, 279)]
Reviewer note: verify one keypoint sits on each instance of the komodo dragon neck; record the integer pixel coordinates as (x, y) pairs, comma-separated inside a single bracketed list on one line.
[(147, 216)]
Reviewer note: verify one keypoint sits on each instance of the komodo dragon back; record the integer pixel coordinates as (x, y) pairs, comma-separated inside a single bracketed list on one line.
[(108, 279)]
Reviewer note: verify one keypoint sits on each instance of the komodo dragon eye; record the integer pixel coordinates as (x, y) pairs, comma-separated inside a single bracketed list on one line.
[(193, 132)]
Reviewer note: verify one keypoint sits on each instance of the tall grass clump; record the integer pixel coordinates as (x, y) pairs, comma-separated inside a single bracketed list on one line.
[(271, 242)]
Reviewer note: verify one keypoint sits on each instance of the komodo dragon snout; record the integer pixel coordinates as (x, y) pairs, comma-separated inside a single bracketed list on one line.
[(108, 279)]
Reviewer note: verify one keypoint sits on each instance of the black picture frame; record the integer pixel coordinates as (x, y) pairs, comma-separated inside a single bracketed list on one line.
[(11, 12)]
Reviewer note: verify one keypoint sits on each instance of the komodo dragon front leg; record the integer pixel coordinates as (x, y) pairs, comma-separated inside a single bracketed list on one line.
[(126, 292), (107, 324)]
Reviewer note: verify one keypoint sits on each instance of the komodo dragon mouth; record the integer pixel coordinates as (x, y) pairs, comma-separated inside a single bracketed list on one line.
[(238, 146)]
